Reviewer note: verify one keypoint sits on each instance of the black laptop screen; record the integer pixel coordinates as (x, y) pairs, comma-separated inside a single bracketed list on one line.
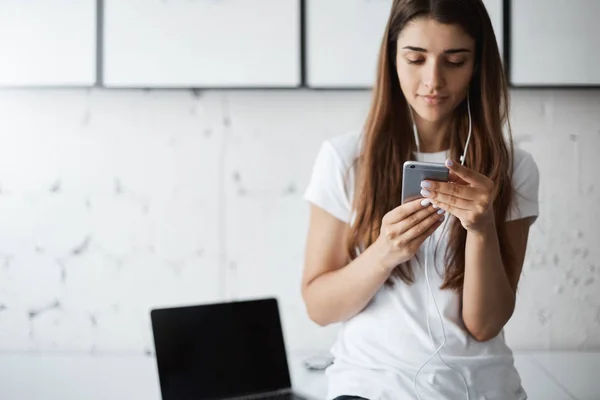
[(220, 350)]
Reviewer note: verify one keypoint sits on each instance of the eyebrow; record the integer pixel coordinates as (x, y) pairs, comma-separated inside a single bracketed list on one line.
[(448, 51)]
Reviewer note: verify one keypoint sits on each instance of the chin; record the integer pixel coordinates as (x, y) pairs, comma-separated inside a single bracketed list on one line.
[(432, 114)]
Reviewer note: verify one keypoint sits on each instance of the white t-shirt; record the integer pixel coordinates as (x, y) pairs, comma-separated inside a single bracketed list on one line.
[(378, 351)]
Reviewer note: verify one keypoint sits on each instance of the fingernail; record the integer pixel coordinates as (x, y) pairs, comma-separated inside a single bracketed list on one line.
[(435, 206), (425, 192), (442, 217), (425, 184), (449, 163), (440, 211), (425, 203)]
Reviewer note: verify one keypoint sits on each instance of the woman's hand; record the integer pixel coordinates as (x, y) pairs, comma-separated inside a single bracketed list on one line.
[(468, 195), (404, 229)]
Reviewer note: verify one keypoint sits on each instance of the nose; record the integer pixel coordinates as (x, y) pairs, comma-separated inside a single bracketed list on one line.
[(433, 77)]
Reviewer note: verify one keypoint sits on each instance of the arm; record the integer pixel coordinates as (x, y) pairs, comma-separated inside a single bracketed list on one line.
[(490, 287), (333, 289)]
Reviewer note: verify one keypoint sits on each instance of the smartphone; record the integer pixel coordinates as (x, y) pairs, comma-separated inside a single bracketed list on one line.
[(414, 172)]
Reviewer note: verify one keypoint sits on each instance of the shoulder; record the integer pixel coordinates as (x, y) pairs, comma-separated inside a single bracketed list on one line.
[(525, 168), (522, 156), (345, 147), (331, 185), (525, 182)]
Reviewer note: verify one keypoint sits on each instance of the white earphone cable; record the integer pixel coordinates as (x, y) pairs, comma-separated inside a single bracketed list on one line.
[(462, 158), (431, 296)]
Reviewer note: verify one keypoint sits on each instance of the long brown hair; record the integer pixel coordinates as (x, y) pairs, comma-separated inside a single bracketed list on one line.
[(388, 140)]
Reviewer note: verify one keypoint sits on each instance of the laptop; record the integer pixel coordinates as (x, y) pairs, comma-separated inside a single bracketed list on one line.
[(221, 351)]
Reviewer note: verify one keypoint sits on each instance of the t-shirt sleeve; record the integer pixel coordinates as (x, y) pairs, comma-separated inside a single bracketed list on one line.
[(526, 182), (327, 185)]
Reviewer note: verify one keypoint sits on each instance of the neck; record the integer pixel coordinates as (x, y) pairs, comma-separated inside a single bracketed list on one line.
[(432, 135)]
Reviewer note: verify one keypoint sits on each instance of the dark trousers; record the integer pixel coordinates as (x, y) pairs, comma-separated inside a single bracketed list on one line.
[(349, 398)]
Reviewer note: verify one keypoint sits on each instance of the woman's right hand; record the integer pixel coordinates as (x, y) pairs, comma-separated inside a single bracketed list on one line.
[(404, 229)]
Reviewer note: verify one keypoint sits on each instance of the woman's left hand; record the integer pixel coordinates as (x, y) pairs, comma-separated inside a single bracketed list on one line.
[(468, 195)]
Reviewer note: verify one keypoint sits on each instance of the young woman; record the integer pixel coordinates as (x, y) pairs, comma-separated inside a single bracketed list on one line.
[(423, 294)]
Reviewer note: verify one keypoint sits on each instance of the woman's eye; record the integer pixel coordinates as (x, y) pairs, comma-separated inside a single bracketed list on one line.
[(456, 63), (453, 64)]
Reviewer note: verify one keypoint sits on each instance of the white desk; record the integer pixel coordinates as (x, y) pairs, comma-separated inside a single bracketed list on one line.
[(546, 376)]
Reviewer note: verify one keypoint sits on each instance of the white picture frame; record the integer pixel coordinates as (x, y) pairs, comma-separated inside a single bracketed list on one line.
[(48, 43), (202, 44), (554, 43)]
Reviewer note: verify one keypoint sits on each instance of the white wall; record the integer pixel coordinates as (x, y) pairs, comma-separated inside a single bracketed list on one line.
[(113, 202)]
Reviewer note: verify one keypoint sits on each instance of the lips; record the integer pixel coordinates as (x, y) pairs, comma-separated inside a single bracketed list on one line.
[(433, 99)]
